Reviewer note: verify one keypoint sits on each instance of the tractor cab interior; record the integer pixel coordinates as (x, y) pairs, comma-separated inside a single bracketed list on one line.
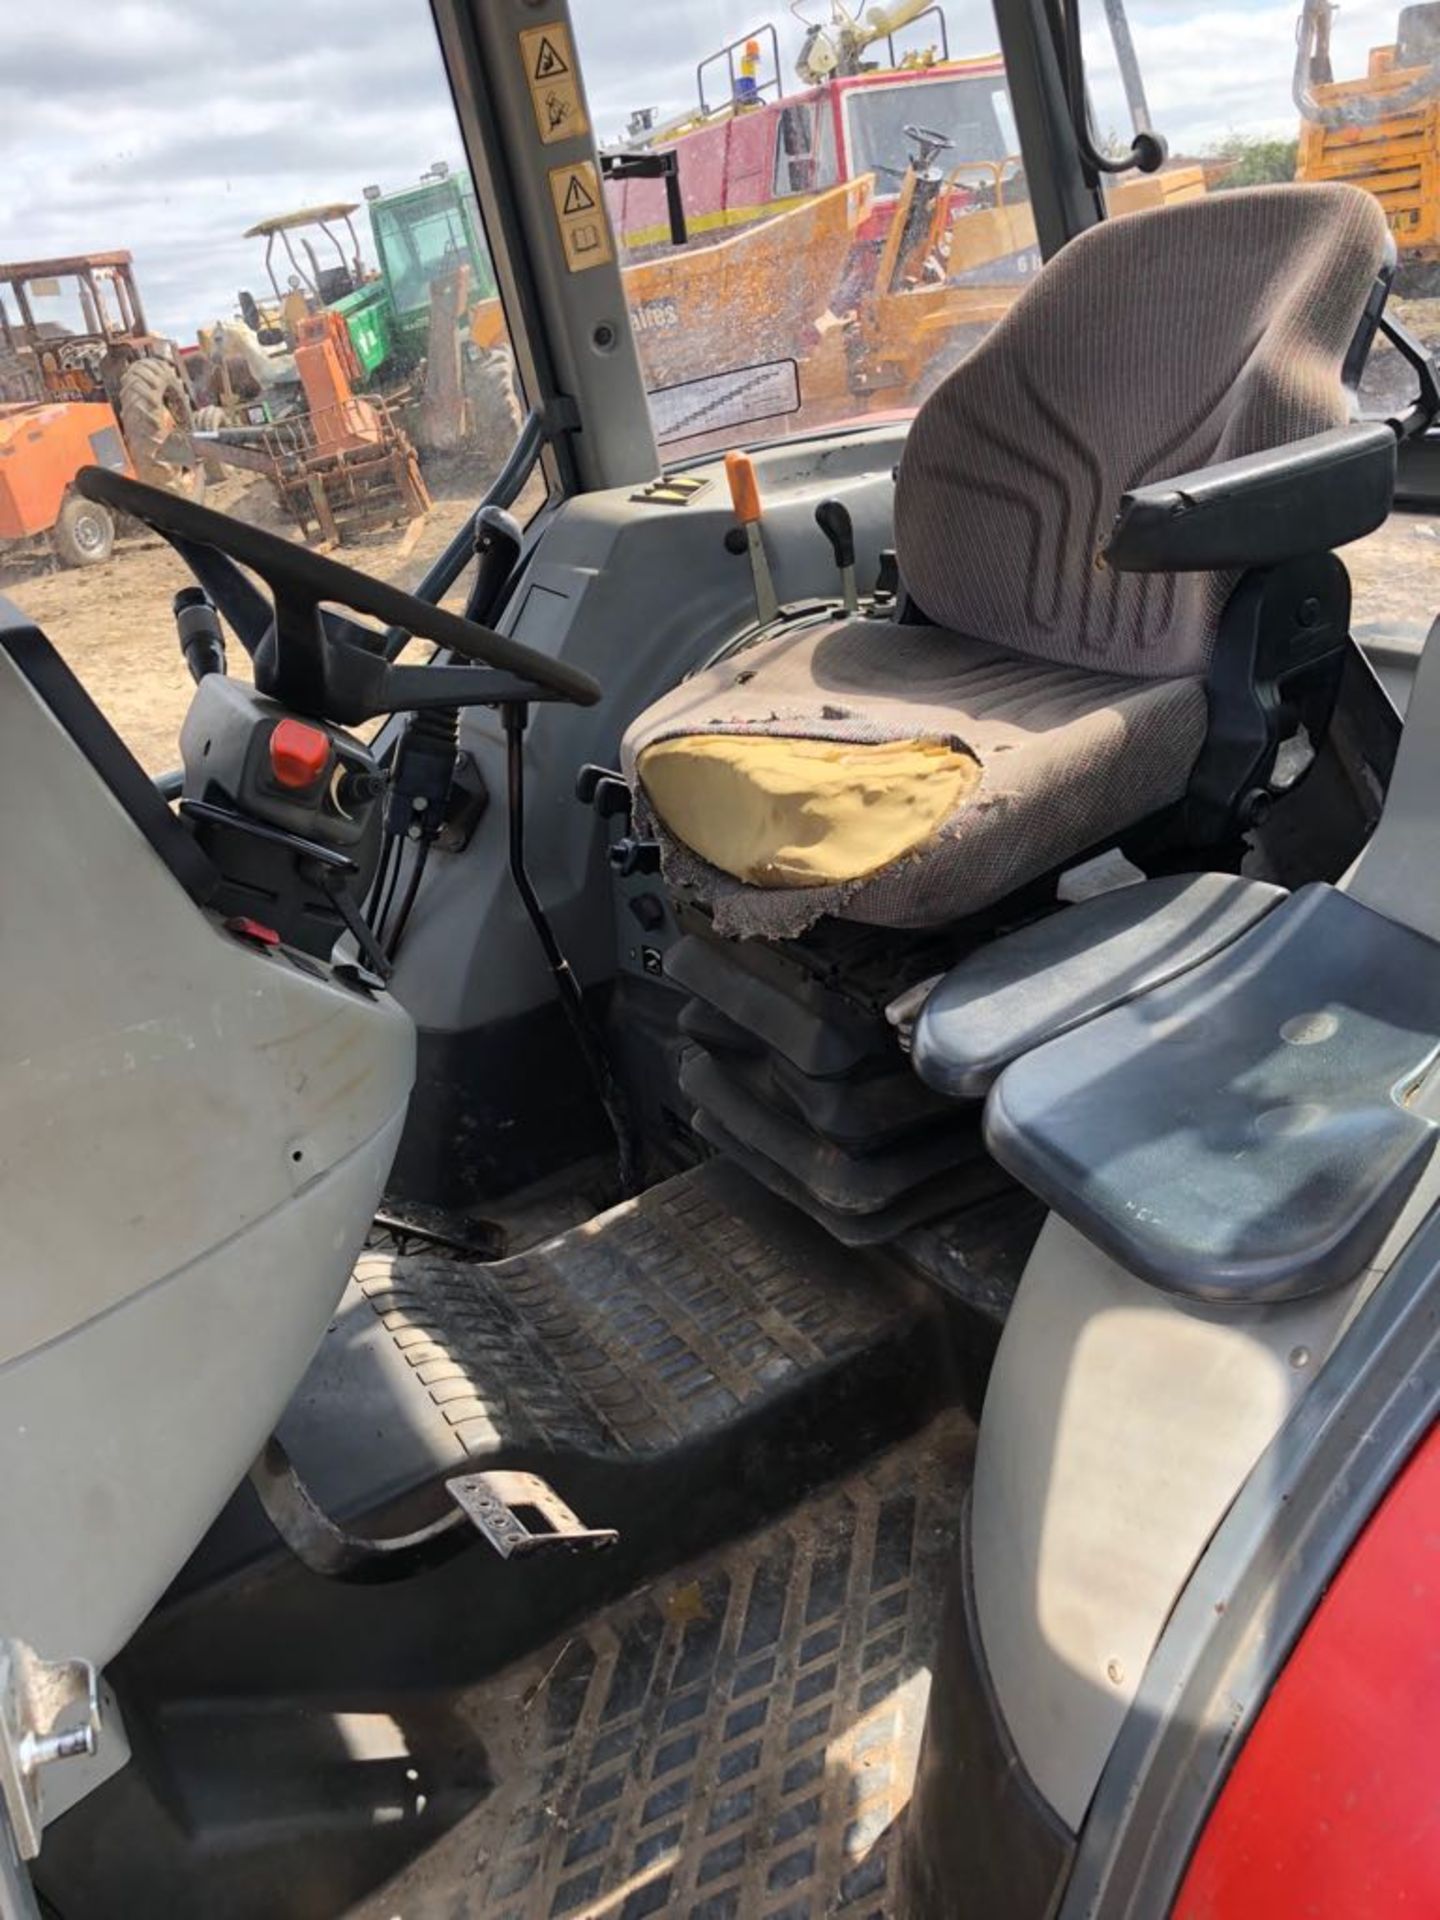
[(690, 1226)]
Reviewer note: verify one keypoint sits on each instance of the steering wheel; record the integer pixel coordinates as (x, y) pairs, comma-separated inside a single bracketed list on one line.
[(312, 659), (930, 144)]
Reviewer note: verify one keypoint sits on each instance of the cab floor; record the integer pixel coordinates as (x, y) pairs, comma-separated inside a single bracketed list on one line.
[(736, 1739), (688, 1367)]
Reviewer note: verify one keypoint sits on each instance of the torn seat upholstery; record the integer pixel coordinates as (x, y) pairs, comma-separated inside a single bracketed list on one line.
[(1073, 694)]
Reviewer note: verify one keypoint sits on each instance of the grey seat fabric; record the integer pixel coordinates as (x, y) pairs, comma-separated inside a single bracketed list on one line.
[(1068, 757), (1150, 346)]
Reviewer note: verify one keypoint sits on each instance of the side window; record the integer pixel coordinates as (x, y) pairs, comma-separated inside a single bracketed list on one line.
[(324, 352), (1347, 94), (795, 151), (827, 163)]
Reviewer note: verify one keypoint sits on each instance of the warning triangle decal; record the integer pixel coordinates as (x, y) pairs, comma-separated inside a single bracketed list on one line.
[(577, 198), (548, 63)]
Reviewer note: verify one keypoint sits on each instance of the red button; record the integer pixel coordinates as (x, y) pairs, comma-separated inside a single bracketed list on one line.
[(299, 754), (244, 928)]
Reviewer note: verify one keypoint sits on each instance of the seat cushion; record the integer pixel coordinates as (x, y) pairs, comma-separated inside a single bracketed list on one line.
[(777, 812), (1066, 759)]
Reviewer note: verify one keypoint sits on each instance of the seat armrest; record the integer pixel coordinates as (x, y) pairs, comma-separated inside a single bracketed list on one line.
[(1303, 498), (1020, 991), (1247, 1132)]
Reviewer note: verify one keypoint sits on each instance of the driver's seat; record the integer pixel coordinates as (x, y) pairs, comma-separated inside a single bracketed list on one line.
[(1031, 704)]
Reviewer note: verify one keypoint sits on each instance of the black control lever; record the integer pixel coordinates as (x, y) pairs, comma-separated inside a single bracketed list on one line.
[(497, 549), (1425, 408), (604, 790), (201, 640), (833, 519)]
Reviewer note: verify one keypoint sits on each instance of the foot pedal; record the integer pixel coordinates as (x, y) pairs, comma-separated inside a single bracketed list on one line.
[(520, 1513)]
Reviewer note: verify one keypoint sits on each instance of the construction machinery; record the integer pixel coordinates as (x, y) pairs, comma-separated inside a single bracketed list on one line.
[(867, 308), (767, 1241), (381, 359), (93, 385), (1382, 131), (743, 163), (836, 48), (917, 152), (418, 235), (337, 457), (343, 285)]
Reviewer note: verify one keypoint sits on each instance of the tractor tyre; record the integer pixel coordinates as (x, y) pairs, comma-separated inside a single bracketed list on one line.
[(209, 420), (84, 535), (154, 408), (492, 403)]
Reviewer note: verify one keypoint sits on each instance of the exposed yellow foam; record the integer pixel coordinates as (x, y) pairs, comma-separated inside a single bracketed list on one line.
[(804, 813)]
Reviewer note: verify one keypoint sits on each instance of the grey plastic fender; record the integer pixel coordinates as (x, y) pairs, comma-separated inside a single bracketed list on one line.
[(1118, 1426)]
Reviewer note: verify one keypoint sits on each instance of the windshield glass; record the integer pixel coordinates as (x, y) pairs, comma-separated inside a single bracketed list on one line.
[(857, 214), (964, 110), (315, 344)]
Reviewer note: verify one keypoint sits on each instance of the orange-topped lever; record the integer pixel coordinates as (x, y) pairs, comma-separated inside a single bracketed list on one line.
[(745, 498), (744, 487)]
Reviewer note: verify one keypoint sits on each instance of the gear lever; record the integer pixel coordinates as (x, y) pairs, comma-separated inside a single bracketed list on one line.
[(833, 519), (745, 498)]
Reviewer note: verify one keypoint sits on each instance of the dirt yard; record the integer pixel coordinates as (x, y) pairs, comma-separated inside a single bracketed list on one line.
[(114, 627)]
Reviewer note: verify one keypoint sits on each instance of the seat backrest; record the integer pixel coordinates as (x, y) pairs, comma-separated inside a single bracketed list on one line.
[(1148, 347)]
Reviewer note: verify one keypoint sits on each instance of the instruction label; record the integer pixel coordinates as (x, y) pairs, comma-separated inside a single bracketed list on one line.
[(549, 63), (584, 230)]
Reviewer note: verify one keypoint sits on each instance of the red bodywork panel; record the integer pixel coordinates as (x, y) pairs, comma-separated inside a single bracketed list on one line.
[(728, 165), (1332, 1811)]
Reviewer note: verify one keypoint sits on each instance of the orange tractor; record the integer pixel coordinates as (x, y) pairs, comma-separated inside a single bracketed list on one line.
[(89, 386)]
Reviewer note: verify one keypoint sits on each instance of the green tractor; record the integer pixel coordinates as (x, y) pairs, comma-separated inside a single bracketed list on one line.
[(418, 235)]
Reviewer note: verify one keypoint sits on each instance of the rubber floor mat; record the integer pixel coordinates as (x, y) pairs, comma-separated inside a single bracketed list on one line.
[(655, 1324), (736, 1741)]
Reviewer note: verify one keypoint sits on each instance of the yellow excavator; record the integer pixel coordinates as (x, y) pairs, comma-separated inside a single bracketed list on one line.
[(1381, 132)]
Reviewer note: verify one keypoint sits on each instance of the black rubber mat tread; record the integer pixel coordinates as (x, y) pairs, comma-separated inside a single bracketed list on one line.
[(660, 1321), (735, 1742)]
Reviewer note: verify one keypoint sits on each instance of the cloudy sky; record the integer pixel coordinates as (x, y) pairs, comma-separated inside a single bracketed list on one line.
[(169, 126)]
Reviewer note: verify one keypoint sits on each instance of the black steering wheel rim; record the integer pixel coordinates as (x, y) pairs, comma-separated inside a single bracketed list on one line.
[(932, 137), (295, 574)]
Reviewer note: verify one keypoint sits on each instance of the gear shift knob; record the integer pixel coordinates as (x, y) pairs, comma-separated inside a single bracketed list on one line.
[(833, 519)]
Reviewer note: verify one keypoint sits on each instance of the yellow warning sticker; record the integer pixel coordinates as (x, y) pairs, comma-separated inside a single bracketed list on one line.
[(554, 88), (584, 230)]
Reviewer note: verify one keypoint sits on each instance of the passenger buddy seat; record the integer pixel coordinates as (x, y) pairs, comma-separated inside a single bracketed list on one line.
[(1037, 695), (1121, 620)]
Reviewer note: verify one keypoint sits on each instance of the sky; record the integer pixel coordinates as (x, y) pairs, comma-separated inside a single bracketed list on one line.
[(169, 126)]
